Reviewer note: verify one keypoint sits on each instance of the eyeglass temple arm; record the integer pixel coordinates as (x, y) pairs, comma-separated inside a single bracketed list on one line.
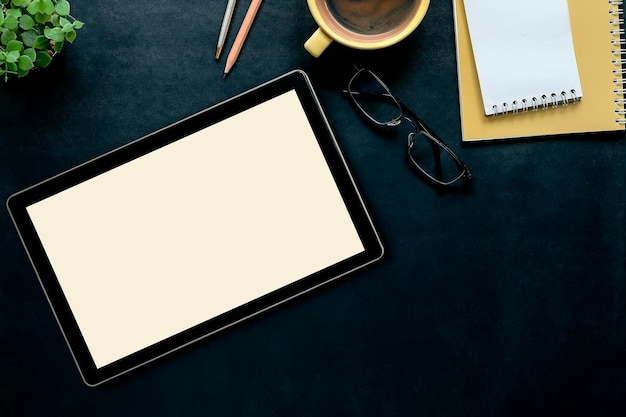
[(416, 119), (347, 93)]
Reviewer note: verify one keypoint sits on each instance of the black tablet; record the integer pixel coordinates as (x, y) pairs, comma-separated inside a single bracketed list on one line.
[(195, 227)]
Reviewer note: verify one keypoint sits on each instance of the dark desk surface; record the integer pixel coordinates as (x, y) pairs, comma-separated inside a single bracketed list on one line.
[(507, 300)]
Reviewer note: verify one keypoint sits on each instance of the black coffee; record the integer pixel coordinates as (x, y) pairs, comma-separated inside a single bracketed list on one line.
[(371, 17)]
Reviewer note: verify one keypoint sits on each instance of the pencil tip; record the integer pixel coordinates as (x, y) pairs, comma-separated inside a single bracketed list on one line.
[(225, 75), (218, 53)]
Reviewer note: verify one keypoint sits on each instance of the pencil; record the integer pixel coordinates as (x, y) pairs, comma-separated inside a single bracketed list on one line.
[(241, 35), (228, 15)]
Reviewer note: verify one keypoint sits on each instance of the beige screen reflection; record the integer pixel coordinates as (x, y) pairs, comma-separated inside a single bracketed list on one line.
[(196, 228)]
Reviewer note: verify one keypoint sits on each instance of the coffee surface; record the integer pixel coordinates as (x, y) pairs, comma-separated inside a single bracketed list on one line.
[(371, 17)]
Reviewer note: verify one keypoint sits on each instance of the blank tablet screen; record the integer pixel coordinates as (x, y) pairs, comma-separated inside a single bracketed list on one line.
[(195, 227)]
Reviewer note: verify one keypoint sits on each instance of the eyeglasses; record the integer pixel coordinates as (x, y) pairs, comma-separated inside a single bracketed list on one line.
[(427, 153)]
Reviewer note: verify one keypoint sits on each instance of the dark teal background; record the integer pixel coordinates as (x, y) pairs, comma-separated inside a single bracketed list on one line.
[(505, 300)]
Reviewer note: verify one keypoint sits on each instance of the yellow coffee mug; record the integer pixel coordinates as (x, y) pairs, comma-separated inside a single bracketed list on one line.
[(363, 24)]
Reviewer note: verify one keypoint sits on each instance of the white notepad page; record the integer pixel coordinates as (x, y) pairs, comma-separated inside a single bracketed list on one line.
[(524, 54)]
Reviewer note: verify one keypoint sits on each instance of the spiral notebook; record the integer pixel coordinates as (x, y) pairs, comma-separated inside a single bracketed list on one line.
[(595, 29), (524, 54)]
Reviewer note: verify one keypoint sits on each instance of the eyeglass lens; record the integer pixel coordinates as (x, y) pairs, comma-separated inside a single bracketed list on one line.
[(433, 160), (374, 99)]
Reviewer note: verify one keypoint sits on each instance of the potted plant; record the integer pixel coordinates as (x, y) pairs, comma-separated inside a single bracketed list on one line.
[(32, 32)]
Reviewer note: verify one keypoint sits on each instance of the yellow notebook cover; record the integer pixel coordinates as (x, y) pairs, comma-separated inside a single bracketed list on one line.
[(598, 55)]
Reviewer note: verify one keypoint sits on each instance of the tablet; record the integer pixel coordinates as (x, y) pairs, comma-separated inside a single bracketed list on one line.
[(195, 227)]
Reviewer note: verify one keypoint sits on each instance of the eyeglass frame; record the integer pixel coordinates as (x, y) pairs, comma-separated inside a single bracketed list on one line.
[(420, 127)]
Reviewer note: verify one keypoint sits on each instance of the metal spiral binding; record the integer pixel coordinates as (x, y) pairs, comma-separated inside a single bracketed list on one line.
[(544, 102), (618, 51)]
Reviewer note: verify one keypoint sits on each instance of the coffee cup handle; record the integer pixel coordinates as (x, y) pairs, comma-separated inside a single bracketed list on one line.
[(318, 42)]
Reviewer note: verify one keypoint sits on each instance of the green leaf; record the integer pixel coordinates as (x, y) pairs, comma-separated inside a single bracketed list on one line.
[(43, 6), (33, 7), (14, 12), (25, 63), (7, 36), (43, 59), (13, 56), (58, 46), (63, 21), (26, 22), (63, 8), (42, 18), (41, 42), (56, 34), (31, 53), (78, 24), (67, 28), (49, 7), (19, 3), (1, 18), (29, 37), (11, 23), (15, 45), (70, 36), (3, 57)]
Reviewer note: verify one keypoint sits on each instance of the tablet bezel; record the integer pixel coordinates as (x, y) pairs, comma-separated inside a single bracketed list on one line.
[(296, 80)]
